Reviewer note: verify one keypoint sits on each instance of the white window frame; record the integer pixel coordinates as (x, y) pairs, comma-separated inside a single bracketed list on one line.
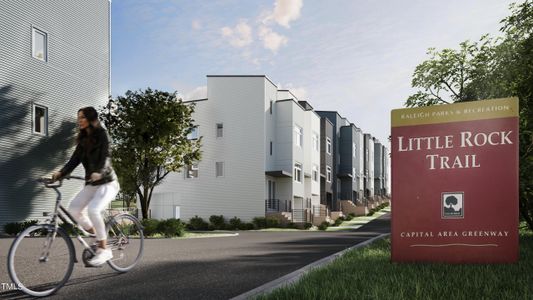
[(223, 171), (328, 146), (220, 130), (328, 174), (299, 136), (315, 173), (316, 144), (298, 172), (193, 167), (33, 115), (191, 136), (35, 29)]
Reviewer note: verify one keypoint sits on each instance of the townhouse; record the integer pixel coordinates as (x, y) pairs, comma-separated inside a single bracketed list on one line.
[(260, 153), (54, 59)]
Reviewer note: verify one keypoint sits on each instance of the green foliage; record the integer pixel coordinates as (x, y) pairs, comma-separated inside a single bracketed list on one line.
[(236, 224), (149, 139), (259, 222), (171, 227), (217, 222), (349, 217), (70, 229), (490, 68), (15, 228), (272, 223), (323, 226), (150, 226), (197, 223), (249, 226), (339, 221), (308, 225)]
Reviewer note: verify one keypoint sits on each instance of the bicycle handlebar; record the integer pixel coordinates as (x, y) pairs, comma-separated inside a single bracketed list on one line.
[(48, 182)]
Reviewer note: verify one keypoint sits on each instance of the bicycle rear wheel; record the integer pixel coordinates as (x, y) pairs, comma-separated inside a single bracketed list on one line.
[(40, 260), (126, 240)]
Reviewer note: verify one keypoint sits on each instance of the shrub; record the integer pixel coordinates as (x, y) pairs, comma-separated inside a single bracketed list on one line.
[(323, 226), (197, 223), (15, 228), (171, 227), (150, 226), (249, 226), (292, 225), (351, 215), (349, 218), (272, 223), (338, 221), (235, 224), (259, 222), (370, 213), (308, 225), (217, 222), (70, 229)]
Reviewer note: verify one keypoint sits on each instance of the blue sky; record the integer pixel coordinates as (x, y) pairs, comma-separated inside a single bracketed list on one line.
[(353, 56)]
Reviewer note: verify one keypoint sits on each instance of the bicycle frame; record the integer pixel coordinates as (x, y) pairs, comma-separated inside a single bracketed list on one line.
[(63, 214)]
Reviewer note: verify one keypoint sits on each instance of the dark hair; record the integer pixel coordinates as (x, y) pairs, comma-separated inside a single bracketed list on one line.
[(91, 115)]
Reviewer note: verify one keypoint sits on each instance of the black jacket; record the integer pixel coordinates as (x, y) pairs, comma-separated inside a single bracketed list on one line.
[(95, 158)]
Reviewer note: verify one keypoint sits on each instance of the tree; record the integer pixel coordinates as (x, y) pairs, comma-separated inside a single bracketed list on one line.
[(149, 139), (490, 68), (451, 201)]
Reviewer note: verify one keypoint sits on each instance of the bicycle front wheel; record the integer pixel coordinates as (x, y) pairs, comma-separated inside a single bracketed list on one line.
[(126, 240), (40, 260)]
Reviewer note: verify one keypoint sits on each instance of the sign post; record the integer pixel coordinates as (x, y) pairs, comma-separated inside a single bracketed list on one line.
[(455, 183)]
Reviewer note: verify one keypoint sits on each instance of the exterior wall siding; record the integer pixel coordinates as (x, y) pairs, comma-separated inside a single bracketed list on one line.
[(75, 75)]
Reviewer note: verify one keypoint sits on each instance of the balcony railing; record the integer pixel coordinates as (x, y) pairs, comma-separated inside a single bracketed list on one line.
[(276, 205)]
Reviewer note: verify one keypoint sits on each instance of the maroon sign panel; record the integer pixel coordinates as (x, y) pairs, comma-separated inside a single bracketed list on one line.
[(455, 183)]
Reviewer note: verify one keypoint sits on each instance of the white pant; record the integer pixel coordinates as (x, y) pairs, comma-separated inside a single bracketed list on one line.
[(93, 199)]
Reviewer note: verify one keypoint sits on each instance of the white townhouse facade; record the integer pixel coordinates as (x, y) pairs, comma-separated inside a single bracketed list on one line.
[(260, 150)]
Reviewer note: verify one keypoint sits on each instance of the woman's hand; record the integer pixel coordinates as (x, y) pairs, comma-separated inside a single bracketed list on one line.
[(56, 175), (96, 176)]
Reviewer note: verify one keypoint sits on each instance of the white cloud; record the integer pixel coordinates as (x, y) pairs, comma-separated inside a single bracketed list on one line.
[(272, 40), (196, 25), (239, 36), (284, 12), (197, 93)]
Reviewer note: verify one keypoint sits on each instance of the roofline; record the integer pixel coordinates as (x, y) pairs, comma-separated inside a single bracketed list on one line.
[(196, 100), (331, 111), (264, 76), (327, 120), (289, 93)]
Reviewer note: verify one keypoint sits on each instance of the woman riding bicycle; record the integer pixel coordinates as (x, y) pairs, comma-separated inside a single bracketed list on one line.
[(101, 187)]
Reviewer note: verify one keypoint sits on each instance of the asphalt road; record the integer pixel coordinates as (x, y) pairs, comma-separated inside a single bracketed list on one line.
[(205, 268)]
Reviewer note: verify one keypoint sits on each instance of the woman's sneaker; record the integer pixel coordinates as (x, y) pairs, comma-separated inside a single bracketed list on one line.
[(101, 257)]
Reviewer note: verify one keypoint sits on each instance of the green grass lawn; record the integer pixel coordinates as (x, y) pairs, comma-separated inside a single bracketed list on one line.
[(367, 273)]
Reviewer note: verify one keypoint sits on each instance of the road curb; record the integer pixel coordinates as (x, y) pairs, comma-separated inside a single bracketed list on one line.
[(296, 275)]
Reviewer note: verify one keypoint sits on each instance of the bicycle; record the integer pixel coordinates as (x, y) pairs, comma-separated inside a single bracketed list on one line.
[(49, 248)]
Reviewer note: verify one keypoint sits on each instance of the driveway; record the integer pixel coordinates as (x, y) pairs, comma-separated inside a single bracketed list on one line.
[(206, 268)]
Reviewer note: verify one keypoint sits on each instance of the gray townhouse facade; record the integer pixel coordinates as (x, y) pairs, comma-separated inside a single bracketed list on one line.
[(351, 163), (368, 187), (378, 168), (54, 59), (327, 135)]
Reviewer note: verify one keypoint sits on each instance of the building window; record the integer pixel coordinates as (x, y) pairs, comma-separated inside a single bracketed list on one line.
[(328, 145), (271, 103), (271, 148), (353, 149), (193, 135), (354, 175), (315, 173), (328, 174), (219, 169), (299, 135), (40, 120), (315, 142), (191, 171), (298, 172), (220, 130), (39, 44)]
